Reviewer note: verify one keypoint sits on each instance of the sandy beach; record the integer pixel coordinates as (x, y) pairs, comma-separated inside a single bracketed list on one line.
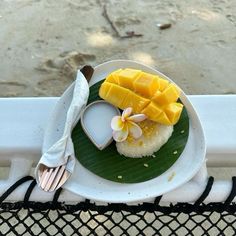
[(44, 42)]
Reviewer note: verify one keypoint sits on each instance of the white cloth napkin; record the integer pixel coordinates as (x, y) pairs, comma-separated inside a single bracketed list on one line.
[(62, 152)]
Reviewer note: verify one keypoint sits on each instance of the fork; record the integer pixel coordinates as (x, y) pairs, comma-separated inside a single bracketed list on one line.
[(52, 178)]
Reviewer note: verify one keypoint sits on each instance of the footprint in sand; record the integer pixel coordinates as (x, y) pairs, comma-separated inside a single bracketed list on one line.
[(66, 63), (61, 71)]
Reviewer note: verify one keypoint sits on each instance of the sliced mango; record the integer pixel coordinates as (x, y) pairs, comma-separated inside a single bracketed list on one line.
[(163, 83), (173, 112), (163, 119), (135, 101), (111, 79), (146, 85), (152, 111), (145, 93), (114, 77), (104, 89), (169, 95), (127, 77), (113, 93)]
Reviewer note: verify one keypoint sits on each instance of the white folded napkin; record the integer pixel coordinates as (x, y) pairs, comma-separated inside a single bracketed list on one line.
[(62, 151)]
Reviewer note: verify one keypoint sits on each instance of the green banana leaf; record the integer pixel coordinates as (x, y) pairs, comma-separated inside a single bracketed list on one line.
[(110, 165)]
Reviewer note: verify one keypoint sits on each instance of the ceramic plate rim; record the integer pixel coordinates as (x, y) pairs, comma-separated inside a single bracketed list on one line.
[(121, 193)]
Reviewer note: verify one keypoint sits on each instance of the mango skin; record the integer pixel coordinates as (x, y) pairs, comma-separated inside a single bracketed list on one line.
[(146, 93)]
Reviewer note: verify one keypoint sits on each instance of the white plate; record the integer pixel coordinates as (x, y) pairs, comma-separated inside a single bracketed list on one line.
[(85, 183)]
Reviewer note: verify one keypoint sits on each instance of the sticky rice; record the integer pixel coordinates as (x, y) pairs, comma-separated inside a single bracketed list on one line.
[(154, 137)]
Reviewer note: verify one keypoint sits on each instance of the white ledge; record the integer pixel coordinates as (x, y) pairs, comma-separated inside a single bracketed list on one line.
[(22, 124)]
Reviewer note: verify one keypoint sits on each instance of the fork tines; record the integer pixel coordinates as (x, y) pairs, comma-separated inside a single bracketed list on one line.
[(53, 178)]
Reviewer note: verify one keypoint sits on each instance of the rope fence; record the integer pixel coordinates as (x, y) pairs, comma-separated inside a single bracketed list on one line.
[(87, 218)]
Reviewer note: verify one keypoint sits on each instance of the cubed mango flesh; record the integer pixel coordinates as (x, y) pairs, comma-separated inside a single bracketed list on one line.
[(146, 85), (152, 111), (135, 101), (127, 77), (145, 93), (169, 95), (104, 89), (173, 111), (113, 93), (163, 83), (163, 119), (114, 77), (111, 79)]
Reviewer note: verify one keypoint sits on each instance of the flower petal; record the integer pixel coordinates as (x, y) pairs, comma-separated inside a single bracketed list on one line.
[(134, 130), (126, 113), (121, 135), (137, 118), (117, 123)]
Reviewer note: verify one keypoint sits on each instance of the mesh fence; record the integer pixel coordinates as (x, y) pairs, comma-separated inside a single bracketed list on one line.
[(86, 218)]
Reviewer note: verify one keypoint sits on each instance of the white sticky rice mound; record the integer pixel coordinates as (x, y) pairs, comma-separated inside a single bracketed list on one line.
[(145, 145)]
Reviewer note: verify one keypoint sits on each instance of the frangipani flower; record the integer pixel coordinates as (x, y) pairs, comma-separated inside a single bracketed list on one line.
[(125, 125)]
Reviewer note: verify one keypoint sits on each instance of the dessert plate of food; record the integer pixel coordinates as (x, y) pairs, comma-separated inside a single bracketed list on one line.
[(139, 136)]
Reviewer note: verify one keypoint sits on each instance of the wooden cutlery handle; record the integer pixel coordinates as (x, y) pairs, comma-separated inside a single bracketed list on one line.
[(87, 71)]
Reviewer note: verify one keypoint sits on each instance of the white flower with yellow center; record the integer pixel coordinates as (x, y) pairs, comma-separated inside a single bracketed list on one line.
[(125, 125)]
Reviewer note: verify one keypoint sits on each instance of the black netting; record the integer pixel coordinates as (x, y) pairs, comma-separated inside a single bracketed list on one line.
[(85, 218)]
